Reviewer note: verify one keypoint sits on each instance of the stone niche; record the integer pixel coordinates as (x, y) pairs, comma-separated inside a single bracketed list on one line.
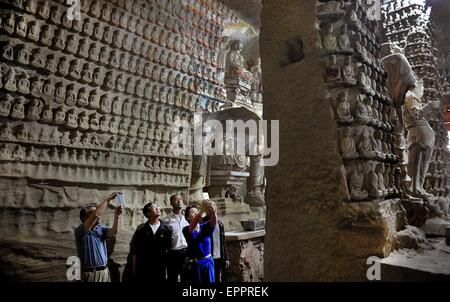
[(323, 222)]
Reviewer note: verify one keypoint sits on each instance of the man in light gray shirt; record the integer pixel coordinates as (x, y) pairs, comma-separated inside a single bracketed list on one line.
[(177, 252)]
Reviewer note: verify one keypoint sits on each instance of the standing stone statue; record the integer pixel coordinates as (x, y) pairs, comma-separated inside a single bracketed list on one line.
[(235, 63), (406, 91), (421, 137), (222, 54)]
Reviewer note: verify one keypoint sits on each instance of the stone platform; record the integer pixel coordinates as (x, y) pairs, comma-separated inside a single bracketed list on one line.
[(428, 264), (245, 252)]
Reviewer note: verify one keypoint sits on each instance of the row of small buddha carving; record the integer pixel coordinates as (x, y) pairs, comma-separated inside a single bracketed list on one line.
[(60, 39), (391, 16), (351, 13), (93, 158), (401, 5), (348, 42), (91, 51), (370, 83), (76, 139), (94, 122), (401, 25), (182, 94), (357, 18), (368, 180), (93, 99), (58, 15), (84, 160), (95, 52), (204, 17), (366, 143), (363, 111), (374, 71)]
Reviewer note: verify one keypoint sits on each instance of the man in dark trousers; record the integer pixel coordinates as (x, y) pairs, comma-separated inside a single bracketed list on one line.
[(149, 247), (218, 250)]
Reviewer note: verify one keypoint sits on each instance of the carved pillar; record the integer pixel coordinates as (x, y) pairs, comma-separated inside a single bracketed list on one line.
[(320, 235)]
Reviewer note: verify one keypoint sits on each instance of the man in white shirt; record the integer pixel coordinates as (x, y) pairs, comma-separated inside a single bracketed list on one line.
[(177, 252)]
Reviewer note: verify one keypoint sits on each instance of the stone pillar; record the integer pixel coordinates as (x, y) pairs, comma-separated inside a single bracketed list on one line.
[(313, 233)]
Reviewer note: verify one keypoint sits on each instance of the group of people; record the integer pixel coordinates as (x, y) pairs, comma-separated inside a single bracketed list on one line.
[(188, 245)]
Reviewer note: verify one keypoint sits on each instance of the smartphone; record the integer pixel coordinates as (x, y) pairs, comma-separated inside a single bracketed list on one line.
[(119, 199)]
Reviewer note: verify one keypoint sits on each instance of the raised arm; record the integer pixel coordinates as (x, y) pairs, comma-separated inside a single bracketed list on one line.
[(196, 220), (113, 231), (92, 219)]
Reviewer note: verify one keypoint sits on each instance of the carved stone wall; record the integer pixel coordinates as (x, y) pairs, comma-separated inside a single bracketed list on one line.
[(86, 107)]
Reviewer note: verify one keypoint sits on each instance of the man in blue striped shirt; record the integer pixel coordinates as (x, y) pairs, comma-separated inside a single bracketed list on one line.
[(90, 238)]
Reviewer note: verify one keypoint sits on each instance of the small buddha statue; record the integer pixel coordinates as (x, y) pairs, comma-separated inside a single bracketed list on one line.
[(18, 153), (98, 32), (343, 39), (5, 131), (356, 183), (104, 124), (97, 77), (37, 59), (329, 41), (33, 110), (361, 113), (348, 73), (63, 67), (105, 104), (94, 123), (47, 114), (65, 139), (107, 35), (18, 109), (33, 31), (60, 116), (365, 145), (23, 84), (123, 127), (108, 82), (43, 10), (31, 155), (47, 35), (76, 138), (83, 48), (82, 99), (83, 121), (51, 63), (114, 125), (333, 72), (74, 70), (23, 55), (21, 27), (343, 108), (36, 88), (9, 23), (22, 133), (94, 53), (127, 108), (8, 51), (142, 131)]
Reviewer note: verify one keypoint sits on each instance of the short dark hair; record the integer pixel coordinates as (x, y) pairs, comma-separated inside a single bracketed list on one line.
[(84, 210), (146, 208), (186, 212), (173, 196)]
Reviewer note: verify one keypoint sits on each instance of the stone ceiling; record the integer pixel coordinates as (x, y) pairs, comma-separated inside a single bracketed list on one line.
[(248, 10)]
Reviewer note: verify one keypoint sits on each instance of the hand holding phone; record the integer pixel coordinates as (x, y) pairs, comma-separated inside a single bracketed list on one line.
[(119, 199)]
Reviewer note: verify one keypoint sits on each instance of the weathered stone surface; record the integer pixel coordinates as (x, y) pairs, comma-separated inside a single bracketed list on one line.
[(246, 253)]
